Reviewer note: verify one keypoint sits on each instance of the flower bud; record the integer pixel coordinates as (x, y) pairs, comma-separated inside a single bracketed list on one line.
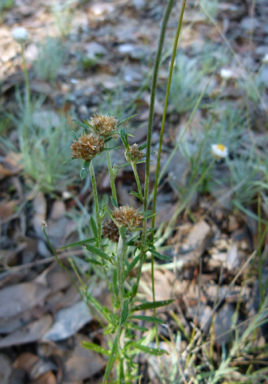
[(20, 35)]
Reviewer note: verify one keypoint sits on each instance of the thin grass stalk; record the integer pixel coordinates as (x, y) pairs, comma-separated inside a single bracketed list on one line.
[(165, 106), (111, 174), (149, 134), (161, 140)]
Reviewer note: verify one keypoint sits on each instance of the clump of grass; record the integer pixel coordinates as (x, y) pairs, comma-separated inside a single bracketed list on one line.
[(187, 83), (6, 4), (51, 54), (43, 141)]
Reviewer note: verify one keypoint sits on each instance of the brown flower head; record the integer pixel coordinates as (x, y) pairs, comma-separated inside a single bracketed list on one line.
[(87, 146), (110, 231), (127, 217), (104, 125), (134, 154)]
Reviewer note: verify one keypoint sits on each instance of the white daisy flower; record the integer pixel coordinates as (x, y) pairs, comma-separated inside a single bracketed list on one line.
[(20, 35), (219, 151), (265, 59), (226, 74)]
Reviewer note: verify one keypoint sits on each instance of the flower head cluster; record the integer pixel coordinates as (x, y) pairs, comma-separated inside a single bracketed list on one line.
[(127, 217), (219, 151), (104, 125), (133, 154), (87, 146), (110, 231), (20, 35)]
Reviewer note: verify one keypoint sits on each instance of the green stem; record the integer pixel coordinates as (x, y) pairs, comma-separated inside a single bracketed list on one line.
[(134, 167), (111, 174), (121, 253), (27, 85), (98, 219)]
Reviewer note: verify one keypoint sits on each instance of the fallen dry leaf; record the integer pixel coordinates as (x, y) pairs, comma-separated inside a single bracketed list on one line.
[(32, 332), (17, 298), (83, 363), (46, 378)]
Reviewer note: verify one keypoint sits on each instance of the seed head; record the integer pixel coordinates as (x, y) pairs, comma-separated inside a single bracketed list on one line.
[(127, 216), (134, 154), (87, 146), (104, 125), (110, 231)]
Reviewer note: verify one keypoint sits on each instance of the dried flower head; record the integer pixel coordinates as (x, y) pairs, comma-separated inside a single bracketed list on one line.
[(20, 35), (127, 216), (104, 125), (87, 146), (133, 154), (219, 151), (110, 231)]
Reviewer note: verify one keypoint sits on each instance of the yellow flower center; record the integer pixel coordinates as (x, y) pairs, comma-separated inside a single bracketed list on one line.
[(221, 147)]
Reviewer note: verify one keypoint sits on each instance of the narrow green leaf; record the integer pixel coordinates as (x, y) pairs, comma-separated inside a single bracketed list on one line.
[(143, 146), (70, 159), (152, 304), (132, 265), (78, 243), (151, 351), (158, 255), (124, 313), (98, 252), (89, 125), (110, 149), (93, 261), (94, 227), (83, 125), (105, 312), (95, 347), (138, 195), (84, 170), (147, 213), (114, 202), (74, 135), (124, 138), (139, 328), (148, 318), (111, 360), (128, 118)]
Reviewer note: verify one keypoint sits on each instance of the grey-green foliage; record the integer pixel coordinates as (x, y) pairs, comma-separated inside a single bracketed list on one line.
[(187, 83), (210, 6), (51, 53), (44, 141), (213, 57)]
